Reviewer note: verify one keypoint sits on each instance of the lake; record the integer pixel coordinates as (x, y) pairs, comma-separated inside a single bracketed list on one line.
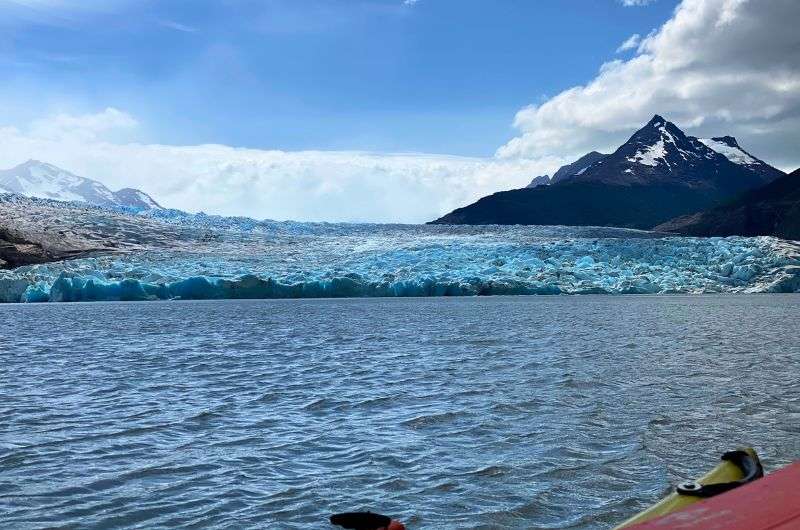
[(473, 412)]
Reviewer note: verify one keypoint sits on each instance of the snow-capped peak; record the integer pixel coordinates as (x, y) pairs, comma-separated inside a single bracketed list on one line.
[(46, 181), (654, 142), (661, 153)]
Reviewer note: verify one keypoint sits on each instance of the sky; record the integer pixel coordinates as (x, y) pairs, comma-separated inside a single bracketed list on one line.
[(379, 110)]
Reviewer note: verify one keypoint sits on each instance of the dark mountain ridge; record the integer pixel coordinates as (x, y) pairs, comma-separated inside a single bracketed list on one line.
[(772, 210), (658, 174)]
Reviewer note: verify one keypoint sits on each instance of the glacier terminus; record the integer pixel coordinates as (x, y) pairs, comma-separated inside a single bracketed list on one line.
[(159, 254)]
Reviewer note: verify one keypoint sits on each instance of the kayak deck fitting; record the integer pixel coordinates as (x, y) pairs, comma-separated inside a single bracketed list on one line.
[(732, 496)]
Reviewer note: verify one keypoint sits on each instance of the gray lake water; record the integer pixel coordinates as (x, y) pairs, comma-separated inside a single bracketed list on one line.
[(498, 412)]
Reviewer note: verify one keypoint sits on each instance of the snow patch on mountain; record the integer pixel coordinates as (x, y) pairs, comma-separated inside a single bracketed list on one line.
[(734, 154), (652, 155)]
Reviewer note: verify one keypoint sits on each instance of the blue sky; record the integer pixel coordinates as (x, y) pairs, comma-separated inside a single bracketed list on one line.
[(379, 110), (442, 76)]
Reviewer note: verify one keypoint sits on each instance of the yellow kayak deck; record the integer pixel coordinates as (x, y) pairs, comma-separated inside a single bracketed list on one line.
[(726, 471)]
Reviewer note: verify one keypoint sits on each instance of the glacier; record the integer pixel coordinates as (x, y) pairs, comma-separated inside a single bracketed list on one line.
[(197, 256)]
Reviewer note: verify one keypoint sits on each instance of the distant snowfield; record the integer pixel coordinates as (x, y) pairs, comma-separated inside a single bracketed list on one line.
[(172, 255)]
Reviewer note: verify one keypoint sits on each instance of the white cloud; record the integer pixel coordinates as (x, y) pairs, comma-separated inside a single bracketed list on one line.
[(304, 185), (83, 127), (630, 43), (716, 67), (410, 2), (177, 26), (631, 3)]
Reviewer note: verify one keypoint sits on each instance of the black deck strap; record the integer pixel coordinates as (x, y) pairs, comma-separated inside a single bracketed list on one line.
[(751, 469), (360, 520)]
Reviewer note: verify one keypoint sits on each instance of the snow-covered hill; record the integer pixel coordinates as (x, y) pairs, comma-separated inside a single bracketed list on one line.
[(46, 181)]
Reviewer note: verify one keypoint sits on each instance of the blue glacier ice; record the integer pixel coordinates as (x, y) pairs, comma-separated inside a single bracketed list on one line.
[(242, 258)]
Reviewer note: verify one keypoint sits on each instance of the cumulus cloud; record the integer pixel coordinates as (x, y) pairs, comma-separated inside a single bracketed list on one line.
[(716, 67), (304, 185)]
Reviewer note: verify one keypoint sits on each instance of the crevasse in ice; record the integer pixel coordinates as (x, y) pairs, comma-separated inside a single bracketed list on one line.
[(241, 258)]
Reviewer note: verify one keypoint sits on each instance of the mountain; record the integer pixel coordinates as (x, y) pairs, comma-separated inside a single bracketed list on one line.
[(658, 174), (729, 147), (772, 210), (578, 167), (661, 154), (568, 171), (46, 181), (133, 198), (541, 180)]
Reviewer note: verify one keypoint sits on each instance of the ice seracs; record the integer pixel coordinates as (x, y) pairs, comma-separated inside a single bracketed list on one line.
[(46, 181), (164, 254)]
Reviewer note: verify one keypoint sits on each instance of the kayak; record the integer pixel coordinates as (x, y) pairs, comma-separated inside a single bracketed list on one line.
[(740, 467), (732, 496)]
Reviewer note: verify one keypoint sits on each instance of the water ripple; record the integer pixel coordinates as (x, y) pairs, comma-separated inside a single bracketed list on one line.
[(471, 413)]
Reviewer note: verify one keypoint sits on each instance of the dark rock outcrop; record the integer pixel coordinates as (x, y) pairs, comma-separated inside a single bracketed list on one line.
[(16, 251)]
